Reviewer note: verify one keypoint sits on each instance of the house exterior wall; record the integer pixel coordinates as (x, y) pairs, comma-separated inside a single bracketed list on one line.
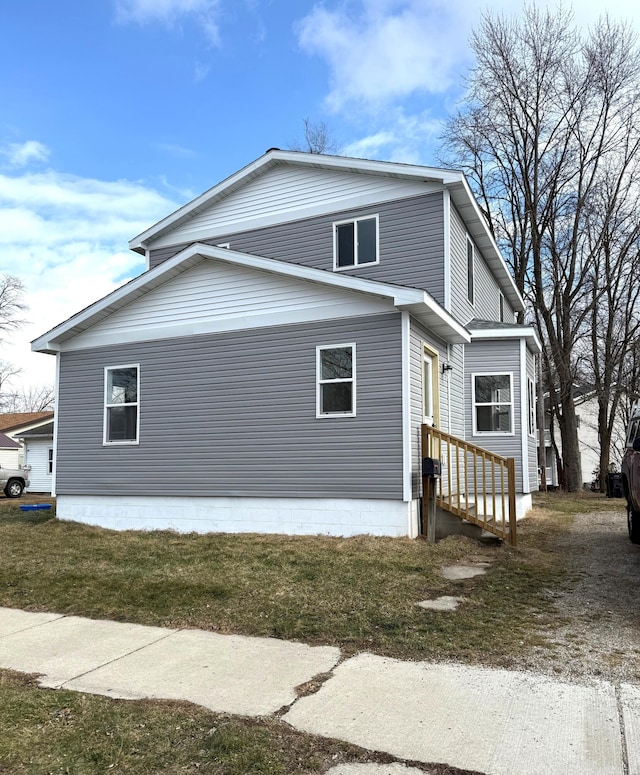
[(288, 193), (419, 337), (532, 440), (234, 415), (411, 241), (36, 456), (486, 304), (215, 296), (497, 357)]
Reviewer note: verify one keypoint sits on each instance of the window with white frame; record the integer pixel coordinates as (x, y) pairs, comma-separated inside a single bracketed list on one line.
[(355, 242), (121, 404), (492, 403), (501, 308), (336, 372), (470, 272), (531, 408), (50, 466)]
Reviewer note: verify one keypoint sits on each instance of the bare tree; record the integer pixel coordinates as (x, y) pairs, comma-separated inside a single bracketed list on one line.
[(33, 399), (12, 303), (318, 138), (548, 116)]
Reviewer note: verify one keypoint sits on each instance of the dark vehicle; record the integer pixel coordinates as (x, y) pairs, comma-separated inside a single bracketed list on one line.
[(631, 474)]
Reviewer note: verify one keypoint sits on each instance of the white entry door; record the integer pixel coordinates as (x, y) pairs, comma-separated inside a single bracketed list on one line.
[(429, 387)]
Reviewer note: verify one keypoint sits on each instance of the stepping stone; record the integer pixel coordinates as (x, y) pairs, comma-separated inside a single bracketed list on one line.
[(456, 572), (444, 603)]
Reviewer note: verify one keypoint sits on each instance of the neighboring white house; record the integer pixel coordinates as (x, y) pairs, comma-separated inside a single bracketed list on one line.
[(38, 457), (9, 452), (586, 403), (14, 424)]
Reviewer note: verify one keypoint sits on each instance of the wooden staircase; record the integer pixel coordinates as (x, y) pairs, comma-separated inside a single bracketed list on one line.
[(475, 485)]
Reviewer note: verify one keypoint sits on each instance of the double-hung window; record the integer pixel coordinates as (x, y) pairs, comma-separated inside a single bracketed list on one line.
[(336, 380), (492, 403), (121, 404), (355, 242)]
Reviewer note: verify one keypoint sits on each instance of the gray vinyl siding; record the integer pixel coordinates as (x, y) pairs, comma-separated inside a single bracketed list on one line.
[(486, 304), (234, 414), (532, 442), (419, 335), (411, 233), (496, 357)]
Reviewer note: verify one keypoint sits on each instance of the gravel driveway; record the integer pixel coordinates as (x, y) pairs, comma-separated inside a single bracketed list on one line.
[(600, 637)]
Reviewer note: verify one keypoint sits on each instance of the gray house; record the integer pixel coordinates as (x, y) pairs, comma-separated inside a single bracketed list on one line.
[(300, 327)]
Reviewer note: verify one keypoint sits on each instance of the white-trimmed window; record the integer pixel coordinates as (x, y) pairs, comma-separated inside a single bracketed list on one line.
[(531, 408), (470, 272), (501, 308), (336, 380), (492, 403), (355, 242), (50, 462), (121, 404)]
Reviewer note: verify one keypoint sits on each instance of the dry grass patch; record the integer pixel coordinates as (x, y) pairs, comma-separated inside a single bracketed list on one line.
[(358, 593)]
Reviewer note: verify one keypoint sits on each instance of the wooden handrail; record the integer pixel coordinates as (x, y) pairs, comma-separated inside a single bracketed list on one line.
[(475, 484)]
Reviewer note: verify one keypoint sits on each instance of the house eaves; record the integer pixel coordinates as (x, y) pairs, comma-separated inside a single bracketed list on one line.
[(489, 329), (453, 181), (418, 302)]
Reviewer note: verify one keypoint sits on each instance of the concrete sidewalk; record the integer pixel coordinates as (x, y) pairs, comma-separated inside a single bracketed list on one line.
[(494, 721)]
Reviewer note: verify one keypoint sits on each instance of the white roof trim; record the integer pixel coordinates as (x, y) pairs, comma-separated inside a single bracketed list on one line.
[(425, 308), (513, 332), (453, 180), (276, 157)]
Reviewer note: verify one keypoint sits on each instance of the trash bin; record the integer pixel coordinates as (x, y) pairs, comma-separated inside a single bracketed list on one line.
[(614, 486)]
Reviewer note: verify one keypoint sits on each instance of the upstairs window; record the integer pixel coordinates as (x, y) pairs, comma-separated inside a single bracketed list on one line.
[(336, 372), (355, 242), (501, 308), (121, 406), (470, 272), (531, 407), (492, 403)]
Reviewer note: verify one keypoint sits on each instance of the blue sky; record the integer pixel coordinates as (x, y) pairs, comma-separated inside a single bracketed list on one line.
[(115, 112)]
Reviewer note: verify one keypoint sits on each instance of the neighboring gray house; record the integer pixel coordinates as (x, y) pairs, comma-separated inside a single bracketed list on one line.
[(297, 326), (38, 457)]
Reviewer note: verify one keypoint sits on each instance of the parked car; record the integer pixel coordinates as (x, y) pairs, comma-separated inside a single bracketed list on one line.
[(13, 481), (631, 474)]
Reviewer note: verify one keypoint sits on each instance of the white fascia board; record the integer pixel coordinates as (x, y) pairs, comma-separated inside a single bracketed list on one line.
[(275, 158), (415, 300), (517, 332)]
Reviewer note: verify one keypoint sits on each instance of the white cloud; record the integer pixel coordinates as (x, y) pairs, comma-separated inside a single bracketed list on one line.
[(401, 137), (171, 12), (22, 154), (382, 50), (66, 238)]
